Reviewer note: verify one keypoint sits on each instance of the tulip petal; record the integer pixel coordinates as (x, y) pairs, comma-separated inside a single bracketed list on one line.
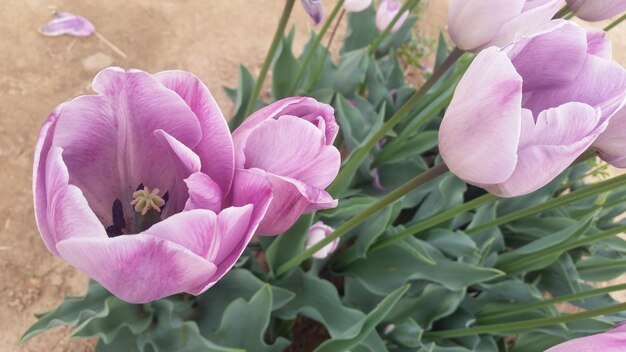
[(108, 140), (594, 10), (598, 43), (482, 124), (591, 87), (204, 193), (67, 23), (534, 14), (490, 14), (356, 5), (216, 148), (137, 268), (613, 340), (551, 59), (611, 144), (292, 147), (550, 145)]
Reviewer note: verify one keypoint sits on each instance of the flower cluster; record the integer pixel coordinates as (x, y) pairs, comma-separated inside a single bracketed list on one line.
[(144, 180)]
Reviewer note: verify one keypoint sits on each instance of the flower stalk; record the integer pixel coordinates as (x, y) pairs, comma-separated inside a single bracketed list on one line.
[(407, 6)]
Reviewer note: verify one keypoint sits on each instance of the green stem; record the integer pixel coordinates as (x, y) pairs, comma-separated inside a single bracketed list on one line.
[(562, 12), (408, 6), (353, 222), (603, 266), (284, 18), (313, 48), (523, 325), (578, 194), (320, 65), (435, 220), (615, 23), (357, 158), (510, 310)]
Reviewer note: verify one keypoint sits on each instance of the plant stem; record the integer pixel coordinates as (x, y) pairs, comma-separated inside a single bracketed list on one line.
[(562, 12), (320, 65), (549, 302), (435, 220), (615, 23), (407, 6), (313, 48), (390, 198), (523, 325), (603, 266), (554, 202), (284, 18), (360, 154)]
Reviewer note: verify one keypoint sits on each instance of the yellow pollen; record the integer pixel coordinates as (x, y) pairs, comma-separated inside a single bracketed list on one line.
[(144, 200)]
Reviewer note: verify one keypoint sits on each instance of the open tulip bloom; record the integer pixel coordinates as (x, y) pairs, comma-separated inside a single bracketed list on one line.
[(523, 114)]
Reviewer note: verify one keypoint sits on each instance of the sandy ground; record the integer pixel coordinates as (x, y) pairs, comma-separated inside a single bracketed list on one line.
[(207, 37)]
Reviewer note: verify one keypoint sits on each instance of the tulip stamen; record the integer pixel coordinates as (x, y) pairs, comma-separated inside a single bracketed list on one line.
[(144, 200)]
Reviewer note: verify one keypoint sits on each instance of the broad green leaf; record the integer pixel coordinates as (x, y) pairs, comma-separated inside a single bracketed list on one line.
[(284, 69), (361, 30), (244, 323), (289, 244), (599, 268), (245, 85), (363, 328), (351, 72), (432, 304)]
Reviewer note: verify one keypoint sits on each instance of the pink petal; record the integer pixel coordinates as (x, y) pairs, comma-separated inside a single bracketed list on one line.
[(550, 145), (109, 143), (204, 193), (216, 146), (535, 14), (552, 58), (611, 144), (314, 9), (138, 268), (387, 10), (356, 5), (613, 340), (474, 24), (598, 43), (594, 10), (479, 134), (292, 147), (67, 23), (67, 215)]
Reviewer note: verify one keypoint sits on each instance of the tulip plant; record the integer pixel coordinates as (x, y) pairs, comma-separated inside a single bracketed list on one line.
[(348, 210)]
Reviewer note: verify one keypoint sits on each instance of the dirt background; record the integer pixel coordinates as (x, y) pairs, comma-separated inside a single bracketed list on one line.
[(207, 37)]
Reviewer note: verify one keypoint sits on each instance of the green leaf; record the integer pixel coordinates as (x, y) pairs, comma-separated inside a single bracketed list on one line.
[(351, 72), (289, 244), (421, 143), (361, 30), (284, 69), (432, 304), (73, 311), (397, 39), (360, 331), (244, 323), (245, 85), (116, 315), (600, 268)]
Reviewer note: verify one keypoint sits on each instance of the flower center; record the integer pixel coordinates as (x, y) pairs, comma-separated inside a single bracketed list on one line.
[(144, 200)]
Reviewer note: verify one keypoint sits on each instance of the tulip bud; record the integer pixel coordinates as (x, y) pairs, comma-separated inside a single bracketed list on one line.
[(613, 340), (314, 9), (476, 24), (387, 11), (594, 10), (318, 232), (356, 5)]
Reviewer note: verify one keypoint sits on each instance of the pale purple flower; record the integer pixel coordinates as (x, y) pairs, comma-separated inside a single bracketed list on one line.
[(613, 340), (291, 143), (135, 186), (476, 24), (314, 9), (596, 10), (387, 11), (356, 5), (523, 114), (318, 232), (67, 23)]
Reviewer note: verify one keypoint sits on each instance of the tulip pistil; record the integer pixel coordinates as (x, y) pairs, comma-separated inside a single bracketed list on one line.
[(145, 200)]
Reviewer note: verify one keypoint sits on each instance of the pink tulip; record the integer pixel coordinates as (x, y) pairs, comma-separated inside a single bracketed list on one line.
[(596, 10), (522, 115), (356, 5), (318, 232), (314, 9), (291, 143), (67, 23), (387, 11), (476, 24), (135, 186), (613, 340)]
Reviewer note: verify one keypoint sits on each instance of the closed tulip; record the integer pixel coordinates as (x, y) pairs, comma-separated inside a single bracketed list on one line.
[(135, 186), (318, 232), (522, 115), (290, 142), (387, 11), (596, 10), (356, 5), (476, 24), (314, 9), (613, 340)]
